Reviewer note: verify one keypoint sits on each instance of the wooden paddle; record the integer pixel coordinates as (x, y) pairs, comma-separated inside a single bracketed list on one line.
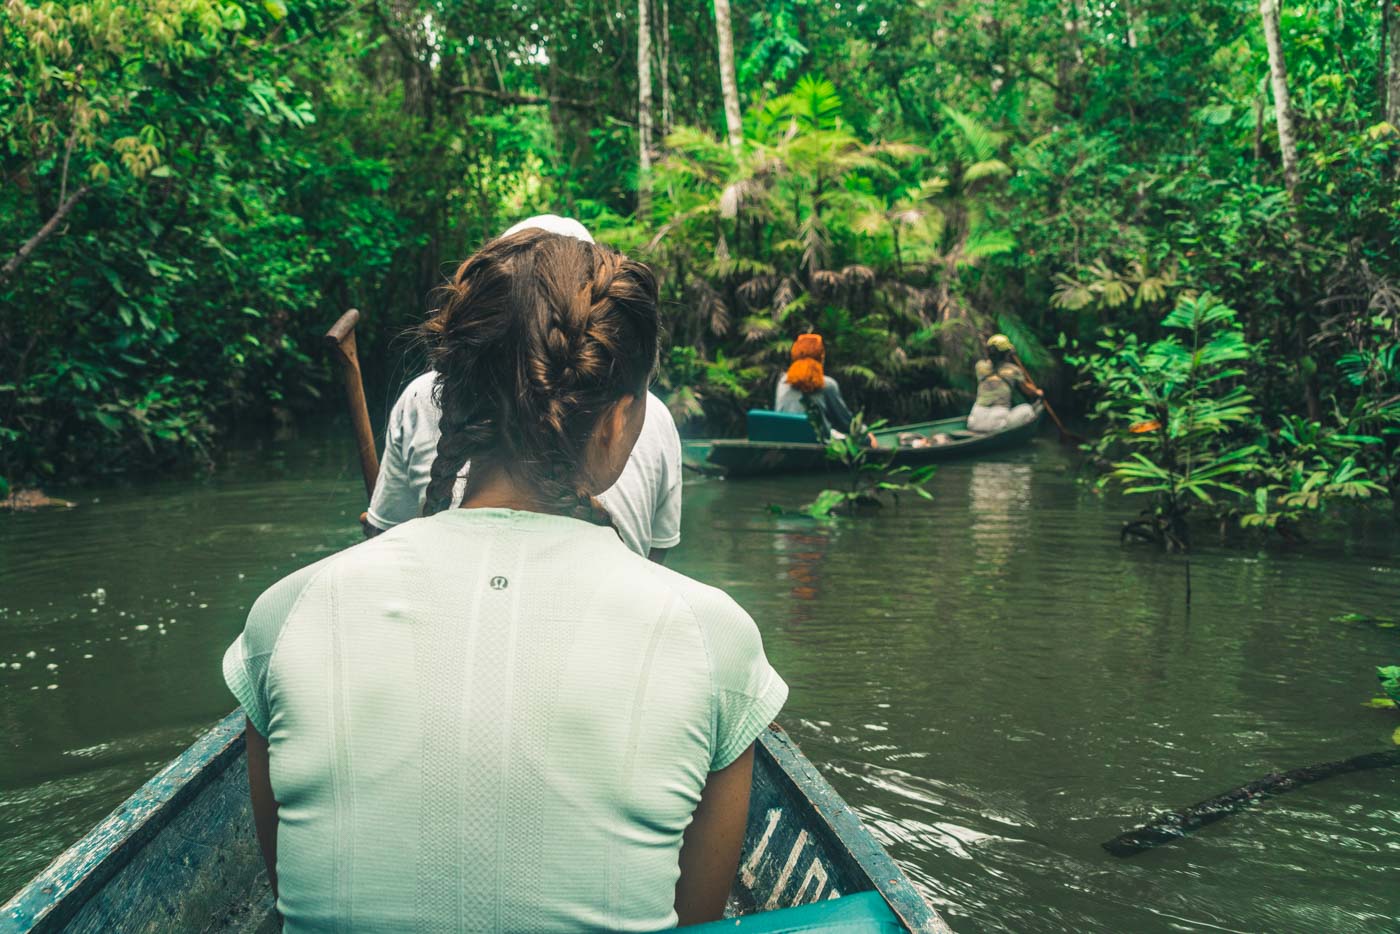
[(341, 340), (1065, 434)]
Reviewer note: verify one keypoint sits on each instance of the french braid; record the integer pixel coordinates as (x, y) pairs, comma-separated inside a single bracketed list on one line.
[(539, 336)]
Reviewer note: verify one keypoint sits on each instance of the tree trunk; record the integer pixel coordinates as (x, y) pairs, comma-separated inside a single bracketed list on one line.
[(1283, 109), (1391, 40), (665, 68), (1258, 131), (1068, 63), (644, 106), (728, 83)]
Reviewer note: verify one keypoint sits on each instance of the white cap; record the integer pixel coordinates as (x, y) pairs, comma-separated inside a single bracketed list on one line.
[(565, 226)]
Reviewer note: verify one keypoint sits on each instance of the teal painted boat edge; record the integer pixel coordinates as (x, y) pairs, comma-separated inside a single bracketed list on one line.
[(830, 810), (857, 913), (59, 892)]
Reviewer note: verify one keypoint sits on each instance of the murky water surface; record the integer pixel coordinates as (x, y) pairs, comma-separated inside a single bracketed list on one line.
[(990, 679)]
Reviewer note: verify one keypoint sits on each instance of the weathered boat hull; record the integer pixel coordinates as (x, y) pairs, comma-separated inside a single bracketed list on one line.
[(740, 458), (180, 854)]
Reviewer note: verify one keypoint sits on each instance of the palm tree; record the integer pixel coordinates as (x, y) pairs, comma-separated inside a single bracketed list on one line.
[(968, 237)]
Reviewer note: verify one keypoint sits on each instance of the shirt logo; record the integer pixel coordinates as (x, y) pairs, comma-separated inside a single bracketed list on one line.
[(499, 583)]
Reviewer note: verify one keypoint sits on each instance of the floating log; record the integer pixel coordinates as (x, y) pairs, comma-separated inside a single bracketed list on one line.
[(1173, 825), (28, 500)]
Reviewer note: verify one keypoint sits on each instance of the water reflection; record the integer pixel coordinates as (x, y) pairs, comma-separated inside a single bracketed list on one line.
[(800, 548), (998, 498)]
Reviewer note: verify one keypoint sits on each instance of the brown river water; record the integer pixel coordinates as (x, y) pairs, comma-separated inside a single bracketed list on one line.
[(990, 679)]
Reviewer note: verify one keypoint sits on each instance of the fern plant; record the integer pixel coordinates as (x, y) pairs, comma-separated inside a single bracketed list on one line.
[(1311, 465)]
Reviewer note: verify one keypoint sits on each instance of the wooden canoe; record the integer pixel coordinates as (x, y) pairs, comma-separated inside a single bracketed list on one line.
[(742, 458), (180, 855)]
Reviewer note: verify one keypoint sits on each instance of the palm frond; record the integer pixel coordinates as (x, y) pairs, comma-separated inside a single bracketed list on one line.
[(757, 328), (978, 143), (983, 242), (988, 168)]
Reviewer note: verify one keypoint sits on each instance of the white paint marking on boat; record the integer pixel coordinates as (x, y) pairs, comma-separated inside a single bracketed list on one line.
[(815, 871), (786, 874), (750, 870)]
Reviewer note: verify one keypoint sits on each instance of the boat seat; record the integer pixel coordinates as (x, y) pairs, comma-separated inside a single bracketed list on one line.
[(780, 427), (850, 914)]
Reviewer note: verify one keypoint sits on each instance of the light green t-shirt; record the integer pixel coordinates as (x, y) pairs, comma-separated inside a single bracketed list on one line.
[(493, 720)]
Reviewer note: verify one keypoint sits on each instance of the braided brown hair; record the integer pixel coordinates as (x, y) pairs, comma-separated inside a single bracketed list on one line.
[(538, 337)]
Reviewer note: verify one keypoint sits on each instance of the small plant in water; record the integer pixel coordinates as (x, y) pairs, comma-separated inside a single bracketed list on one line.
[(1176, 408), (870, 480), (1384, 622), (1390, 682)]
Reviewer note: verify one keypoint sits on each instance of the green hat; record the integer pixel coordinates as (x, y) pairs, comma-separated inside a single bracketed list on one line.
[(1000, 342)]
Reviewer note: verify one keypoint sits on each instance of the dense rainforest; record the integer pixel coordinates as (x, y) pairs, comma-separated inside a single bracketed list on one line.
[(1183, 214)]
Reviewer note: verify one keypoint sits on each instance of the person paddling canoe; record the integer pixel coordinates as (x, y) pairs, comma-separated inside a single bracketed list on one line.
[(999, 380)]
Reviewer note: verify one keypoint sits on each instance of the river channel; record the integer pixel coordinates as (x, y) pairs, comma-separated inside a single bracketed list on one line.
[(990, 679)]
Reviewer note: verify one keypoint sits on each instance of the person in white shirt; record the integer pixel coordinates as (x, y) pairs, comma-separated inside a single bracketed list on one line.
[(497, 717), (645, 503)]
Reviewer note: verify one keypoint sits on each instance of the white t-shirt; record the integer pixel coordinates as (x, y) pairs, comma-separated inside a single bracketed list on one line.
[(645, 502), (493, 720)]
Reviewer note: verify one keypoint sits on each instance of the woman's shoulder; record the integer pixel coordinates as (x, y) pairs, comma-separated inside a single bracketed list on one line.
[(659, 437), (697, 599), (418, 394), (353, 563), (274, 606), (718, 616), (983, 369)]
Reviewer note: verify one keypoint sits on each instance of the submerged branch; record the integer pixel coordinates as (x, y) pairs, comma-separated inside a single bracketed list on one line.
[(1173, 825)]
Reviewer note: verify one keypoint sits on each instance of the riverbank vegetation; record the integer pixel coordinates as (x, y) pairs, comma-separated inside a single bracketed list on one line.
[(1182, 424), (193, 190)]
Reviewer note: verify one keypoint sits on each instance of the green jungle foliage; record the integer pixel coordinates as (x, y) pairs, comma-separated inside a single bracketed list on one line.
[(1181, 424), (193, 190)]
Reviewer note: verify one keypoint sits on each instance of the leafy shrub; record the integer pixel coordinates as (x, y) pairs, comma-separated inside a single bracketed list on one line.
[(1178, 415), (870, 480)]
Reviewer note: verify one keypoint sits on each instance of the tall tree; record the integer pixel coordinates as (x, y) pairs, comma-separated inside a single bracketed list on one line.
[(729, 84), (1283, 108), (644, 106), (665, 64), (1390, 40)]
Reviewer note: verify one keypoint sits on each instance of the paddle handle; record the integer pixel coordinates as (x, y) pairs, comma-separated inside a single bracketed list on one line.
[(1065, 433), (341, 341)]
